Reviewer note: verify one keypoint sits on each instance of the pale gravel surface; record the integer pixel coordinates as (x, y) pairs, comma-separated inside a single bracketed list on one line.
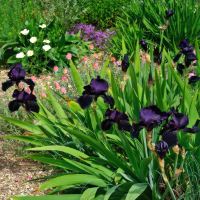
[(16, 174)]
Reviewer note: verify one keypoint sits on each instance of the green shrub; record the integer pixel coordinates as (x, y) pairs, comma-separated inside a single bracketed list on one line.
[(40, 48)]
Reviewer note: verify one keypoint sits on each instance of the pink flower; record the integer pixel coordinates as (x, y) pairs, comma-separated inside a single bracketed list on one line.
[(63, 90), (55, 68), (64, 78), (69, 56), (191, 74), (33, 78), (28, 90), (96, 66), (43, 95), (96, 55), (57, 85), (118, 63), (85, 59), (91, 46)]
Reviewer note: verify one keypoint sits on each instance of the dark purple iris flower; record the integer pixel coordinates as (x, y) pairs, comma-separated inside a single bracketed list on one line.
[(170, 137), (125, 63), (188, 51), (194, 79), (161, 149), (114, 116), (24, 99), (180, 67), (150, 117), (169, 13), (157, 56), (178, 122), (16, 75), (97, 87), (144, 45)]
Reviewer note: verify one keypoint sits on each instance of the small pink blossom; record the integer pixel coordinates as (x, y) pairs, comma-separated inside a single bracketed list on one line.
[(191, 74), (55, 68), (85, 59), (69, 56), (57, 85), (28, 90), (43, 95), (91, 46), (96, 66), (63, 90), (118, 63), (96, 55), (33, 78), (64, 78)]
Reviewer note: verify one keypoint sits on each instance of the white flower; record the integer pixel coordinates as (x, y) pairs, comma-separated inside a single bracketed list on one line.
[(46, 47), (33, 40), (24, 32), (30, 53), (20, 55), (46, 41), (43, 26)]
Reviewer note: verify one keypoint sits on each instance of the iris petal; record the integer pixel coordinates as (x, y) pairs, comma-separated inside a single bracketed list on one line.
[(106, 124), (14, 105), (161, 149), (85, 100), (7, 85)]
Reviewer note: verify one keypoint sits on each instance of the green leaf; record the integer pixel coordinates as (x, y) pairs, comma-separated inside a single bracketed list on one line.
[(29, 126), (89, 194), (56, 106), (67, 150), (73, 179), (78, 82), (136, 190)]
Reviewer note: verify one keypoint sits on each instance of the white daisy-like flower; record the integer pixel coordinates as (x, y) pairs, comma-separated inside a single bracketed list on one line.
[(46, 47), (30, 53), (25, 32), (46, 41), (20, 55), (33, 40), (43, 26)]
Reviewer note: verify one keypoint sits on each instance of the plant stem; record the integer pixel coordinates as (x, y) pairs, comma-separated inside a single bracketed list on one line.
[(162, 168)]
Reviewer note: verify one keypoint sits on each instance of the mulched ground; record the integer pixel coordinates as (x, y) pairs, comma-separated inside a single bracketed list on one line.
[(17, 175)]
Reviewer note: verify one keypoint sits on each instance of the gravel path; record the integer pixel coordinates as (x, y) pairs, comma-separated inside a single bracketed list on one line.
[(16, 174)]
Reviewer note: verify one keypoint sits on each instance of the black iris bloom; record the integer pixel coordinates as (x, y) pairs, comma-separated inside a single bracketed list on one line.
[(97, 87), (180, 67), (178, 122), (16, 75), (144, 45), (115, 116), (150, 117), (22, 98), (169, 13), (161, 149), (125, 63), (194, 79), (188, 51)]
